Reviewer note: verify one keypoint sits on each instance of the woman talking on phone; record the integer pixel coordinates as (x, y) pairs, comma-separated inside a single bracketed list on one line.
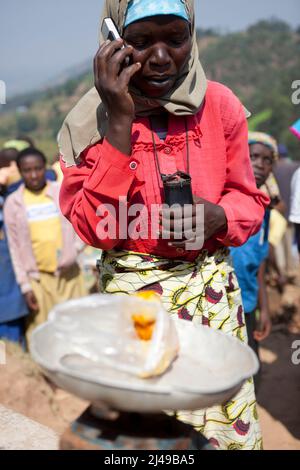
[(153, 129)]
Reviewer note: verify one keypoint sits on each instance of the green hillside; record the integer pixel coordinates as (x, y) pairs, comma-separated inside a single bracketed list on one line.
[(259, 65)]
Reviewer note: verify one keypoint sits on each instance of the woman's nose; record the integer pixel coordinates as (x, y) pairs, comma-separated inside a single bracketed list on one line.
[(160, 57), (259, 163)]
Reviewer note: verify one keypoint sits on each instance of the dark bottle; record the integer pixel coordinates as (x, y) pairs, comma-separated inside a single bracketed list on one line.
[(178, 189)]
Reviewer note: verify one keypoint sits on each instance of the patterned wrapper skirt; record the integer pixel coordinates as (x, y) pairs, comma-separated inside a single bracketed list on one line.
[(206, 292)]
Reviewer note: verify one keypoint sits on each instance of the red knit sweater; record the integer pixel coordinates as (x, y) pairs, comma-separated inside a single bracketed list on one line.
[(220, 168)]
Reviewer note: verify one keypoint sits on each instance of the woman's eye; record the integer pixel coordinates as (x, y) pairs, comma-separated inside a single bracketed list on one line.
[(177, 41), (141, 44)]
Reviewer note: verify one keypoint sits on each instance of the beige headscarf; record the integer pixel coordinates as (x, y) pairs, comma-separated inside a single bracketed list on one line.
[(86, 123), (265, 139)]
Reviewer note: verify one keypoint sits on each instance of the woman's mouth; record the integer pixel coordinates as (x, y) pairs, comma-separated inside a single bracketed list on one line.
[(159, 81)]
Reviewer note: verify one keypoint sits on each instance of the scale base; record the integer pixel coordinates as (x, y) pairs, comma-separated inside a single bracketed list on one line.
[(131, 431)]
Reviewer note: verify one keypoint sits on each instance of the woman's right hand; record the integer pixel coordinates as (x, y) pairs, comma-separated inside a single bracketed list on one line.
[(112, 81), (31, 301)]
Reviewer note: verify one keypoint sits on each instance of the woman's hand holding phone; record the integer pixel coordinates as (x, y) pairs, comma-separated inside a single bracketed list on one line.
[(112, 79), (112, 83)]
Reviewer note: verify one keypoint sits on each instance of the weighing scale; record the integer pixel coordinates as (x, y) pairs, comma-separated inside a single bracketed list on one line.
[(128, 412)]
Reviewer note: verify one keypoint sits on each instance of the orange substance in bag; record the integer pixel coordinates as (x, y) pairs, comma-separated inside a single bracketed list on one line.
[(144, 323), (148, 295), (144, 326)]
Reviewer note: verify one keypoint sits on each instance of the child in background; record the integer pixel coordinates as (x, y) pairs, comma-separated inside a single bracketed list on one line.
[(13, 147), (43, 244)]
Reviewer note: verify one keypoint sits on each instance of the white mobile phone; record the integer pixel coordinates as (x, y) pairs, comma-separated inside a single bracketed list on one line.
[(110, 31)]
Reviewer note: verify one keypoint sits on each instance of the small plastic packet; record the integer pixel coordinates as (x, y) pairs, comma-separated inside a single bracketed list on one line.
[(130, 333)]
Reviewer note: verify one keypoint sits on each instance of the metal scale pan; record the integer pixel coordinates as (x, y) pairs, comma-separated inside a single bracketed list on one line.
[(210, 368)]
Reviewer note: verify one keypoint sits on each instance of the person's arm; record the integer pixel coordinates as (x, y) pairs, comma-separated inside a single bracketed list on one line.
[(112, 83), (14, 246), (243, 203), (280, 277), (280, 206), (263, 295), (264, 324), (91, 191)]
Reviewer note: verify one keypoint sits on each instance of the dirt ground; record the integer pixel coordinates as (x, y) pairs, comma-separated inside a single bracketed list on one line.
[(279, 392), (25, 390)]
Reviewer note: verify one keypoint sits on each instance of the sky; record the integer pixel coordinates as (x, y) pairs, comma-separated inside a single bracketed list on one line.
[(40, 39)]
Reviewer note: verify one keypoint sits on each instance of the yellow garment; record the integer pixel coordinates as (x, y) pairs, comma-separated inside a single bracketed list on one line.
[(45, 229), (278, 226), (16, 144), (51, 290), (271, 187)]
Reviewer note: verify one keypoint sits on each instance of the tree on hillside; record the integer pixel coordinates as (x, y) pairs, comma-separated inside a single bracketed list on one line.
[(259, 65), (27, 122)]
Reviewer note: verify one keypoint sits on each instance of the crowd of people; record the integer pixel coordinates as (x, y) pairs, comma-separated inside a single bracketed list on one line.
[(271, 249), (155, 119), (39, 248)]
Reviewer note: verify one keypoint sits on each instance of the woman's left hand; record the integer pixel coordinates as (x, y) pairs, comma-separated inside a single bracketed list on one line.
[(264, 326), (194, 226)]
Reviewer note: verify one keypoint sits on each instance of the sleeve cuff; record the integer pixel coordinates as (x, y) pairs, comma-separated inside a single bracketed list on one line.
[(224, 237), (25, 288), (114, 157), (113, 173)]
